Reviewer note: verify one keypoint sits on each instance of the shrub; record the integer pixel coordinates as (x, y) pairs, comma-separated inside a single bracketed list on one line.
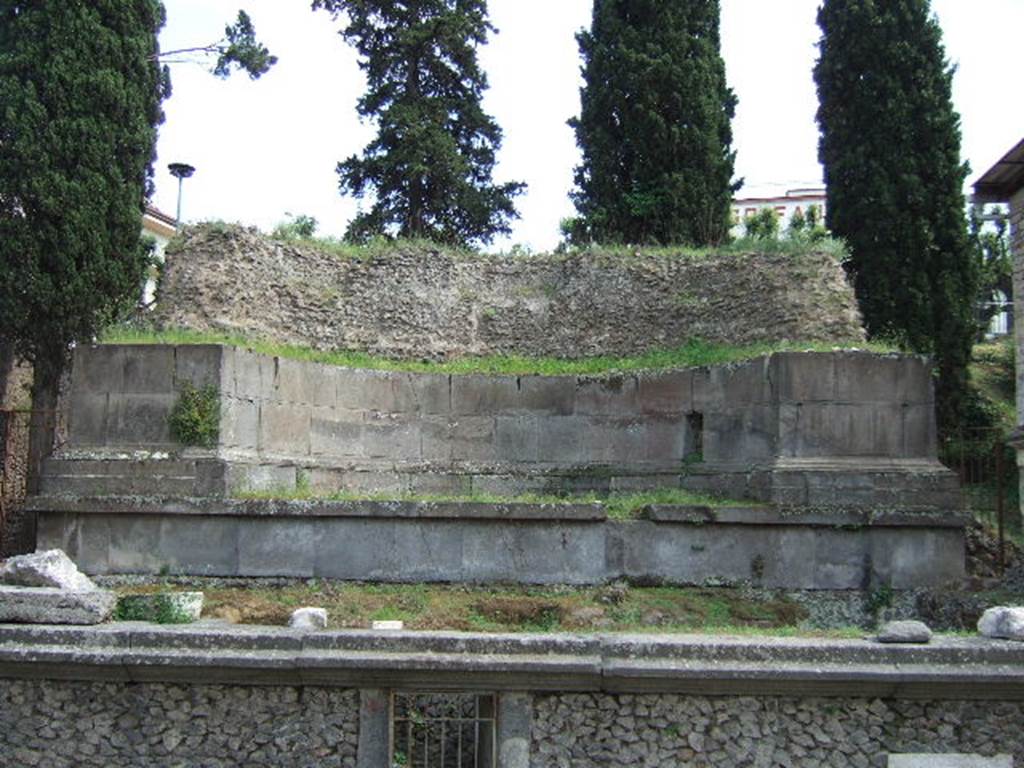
[(195, 418)]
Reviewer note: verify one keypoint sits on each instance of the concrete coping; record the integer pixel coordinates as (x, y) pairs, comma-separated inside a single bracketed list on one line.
[(695, 515), (216, 652)]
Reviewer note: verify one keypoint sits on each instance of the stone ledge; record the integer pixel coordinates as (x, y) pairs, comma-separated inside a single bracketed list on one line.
[(953, 668), (278, 508)]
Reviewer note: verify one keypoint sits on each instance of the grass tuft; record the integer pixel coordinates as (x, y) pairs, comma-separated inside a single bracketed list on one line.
[(693, 354)]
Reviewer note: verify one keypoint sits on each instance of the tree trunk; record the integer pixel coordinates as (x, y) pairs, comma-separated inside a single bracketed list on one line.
[(43, 423), (6, 368)]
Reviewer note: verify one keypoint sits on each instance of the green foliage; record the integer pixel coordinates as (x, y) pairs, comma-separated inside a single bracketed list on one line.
[(239, 49), (298, 227), (195, 417), (429, 168), (890, 146), (654, 128), (807, 226), (763, 225), (159, 608), (80, 95), (990, 247)]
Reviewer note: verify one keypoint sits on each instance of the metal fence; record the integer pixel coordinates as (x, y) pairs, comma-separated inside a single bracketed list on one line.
[(988, 474), (442, 730)]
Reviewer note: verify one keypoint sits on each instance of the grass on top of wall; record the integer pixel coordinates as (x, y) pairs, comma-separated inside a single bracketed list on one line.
[(692, 354), (617, 506), (617, 607)]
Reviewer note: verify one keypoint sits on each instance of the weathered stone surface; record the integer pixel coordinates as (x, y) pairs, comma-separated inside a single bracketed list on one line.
[(308, 618), (51, 568), (927, 760), (46, 605), (414, 303), (163, 607), (905, 632), (1002, 622), (61, 724)]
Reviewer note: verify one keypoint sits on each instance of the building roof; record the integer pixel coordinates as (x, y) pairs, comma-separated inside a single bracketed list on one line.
[(156, 221), (1003, 179)]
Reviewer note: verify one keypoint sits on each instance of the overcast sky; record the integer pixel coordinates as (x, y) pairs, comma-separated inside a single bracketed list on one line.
[(268, 147)]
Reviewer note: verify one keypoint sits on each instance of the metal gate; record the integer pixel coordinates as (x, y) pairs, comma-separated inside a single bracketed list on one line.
[(443, 730)]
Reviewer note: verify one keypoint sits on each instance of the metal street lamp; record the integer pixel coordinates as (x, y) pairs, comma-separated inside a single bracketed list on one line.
[(181, 171)]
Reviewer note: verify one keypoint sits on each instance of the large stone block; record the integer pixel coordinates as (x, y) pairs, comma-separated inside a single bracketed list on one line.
[(484, 395), (148, 369), (669, 392), (607, 396), (544, 395), (285, 428), (139, 420), (46, 605), (198, 364), (805, 378), (45, 568), (87, 418), (277, 547), (337, 434)]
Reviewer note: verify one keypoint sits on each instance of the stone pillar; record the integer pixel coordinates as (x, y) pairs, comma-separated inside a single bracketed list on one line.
[(515, 719), (374, 729)]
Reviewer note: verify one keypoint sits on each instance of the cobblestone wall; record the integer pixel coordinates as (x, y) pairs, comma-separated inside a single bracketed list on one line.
[(421, 302), (598, 730), (54, 724)]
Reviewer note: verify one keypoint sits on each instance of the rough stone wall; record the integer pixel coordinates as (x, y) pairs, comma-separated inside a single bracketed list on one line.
[(422, 303), (56, 724), (1017, 249), (653, 731)]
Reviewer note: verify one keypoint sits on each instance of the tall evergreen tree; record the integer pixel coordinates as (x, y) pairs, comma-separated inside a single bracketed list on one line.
[(80, 92), (890, 146), (655, 127), (430, 167)]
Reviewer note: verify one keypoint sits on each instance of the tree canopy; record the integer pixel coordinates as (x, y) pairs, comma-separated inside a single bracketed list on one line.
[(890, 146), (655, 126), (429, 169), (80, 93)]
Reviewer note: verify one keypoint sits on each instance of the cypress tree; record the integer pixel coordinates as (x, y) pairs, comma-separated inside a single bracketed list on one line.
[(80, 92), (429, 169), (654, 128), (890, 146)]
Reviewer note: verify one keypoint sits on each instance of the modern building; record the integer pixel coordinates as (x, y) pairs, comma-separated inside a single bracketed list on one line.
[(785, 205), (161, 227), (1004, 183)]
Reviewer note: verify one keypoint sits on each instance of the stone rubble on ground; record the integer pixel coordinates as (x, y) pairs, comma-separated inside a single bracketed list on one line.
[(1006, 623), (47, 588), (308, 618), (51, 568), (904, 632)]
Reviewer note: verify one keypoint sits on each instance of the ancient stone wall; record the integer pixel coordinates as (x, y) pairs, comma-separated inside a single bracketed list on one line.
[(63, 724), (417, 302), (609, 731)]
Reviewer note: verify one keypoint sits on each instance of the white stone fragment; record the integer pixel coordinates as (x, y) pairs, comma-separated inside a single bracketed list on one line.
[(949, 761), (308, 618), (388, 625), (1002, 622), (905, 632), (51, 568), (46, 605)]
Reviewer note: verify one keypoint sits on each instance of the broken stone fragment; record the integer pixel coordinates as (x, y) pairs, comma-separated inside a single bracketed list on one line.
[(905, 632), (1002, 622), (308, 618), (51, 568), (46, 605)]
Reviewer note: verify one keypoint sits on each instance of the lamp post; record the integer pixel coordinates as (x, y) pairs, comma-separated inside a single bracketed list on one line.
[(180, 171)]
